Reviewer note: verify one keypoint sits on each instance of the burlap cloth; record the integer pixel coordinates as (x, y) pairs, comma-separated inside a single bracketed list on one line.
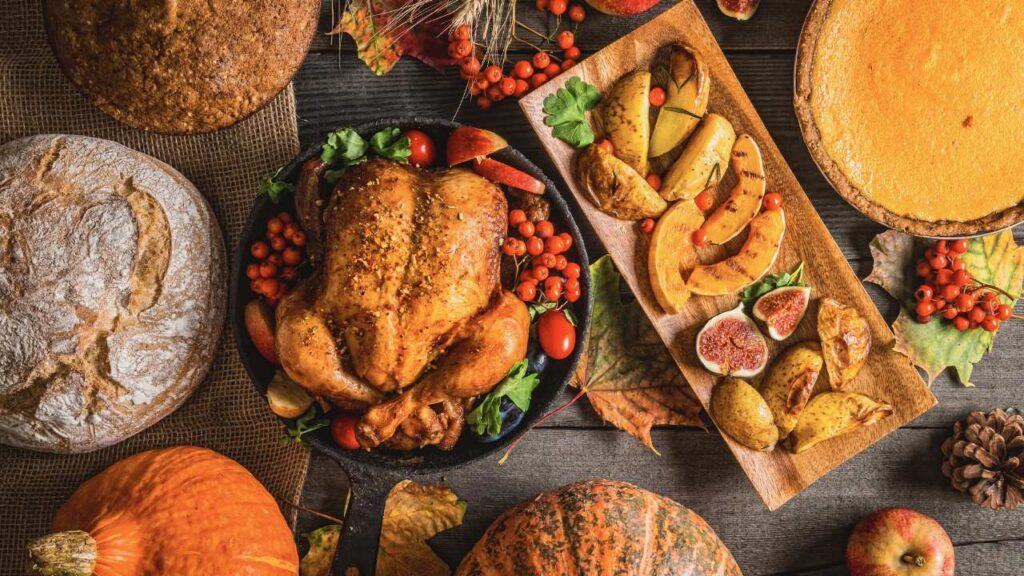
[(225, 414)]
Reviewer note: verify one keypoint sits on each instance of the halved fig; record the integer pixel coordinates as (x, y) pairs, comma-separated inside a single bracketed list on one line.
[(752, 262), (731, 345), (744, 202), (466, 143), (739, 9), (782, 309), (502, 173), (672, 254)]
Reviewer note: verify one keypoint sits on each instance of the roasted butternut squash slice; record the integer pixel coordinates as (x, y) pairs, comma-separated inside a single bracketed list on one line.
[(626, 118), (688, 88), (753, 260), (702, 161), (671, 254), (744, 201)]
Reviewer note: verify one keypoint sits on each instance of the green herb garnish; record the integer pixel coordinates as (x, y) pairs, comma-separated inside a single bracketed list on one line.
[(389, 143), (566, 112), (771, 282), (518, 385), (274, 188), (342, 149), (308, 423)]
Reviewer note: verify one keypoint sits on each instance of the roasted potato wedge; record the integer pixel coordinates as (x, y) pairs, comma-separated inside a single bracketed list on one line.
[(687, 93), (790, 382), (845, 341), (832, 414), (286, 398), (703, 160), (753, 260), (744, 201), (741, 412), (626, 116), (616, 188), (672, 254)]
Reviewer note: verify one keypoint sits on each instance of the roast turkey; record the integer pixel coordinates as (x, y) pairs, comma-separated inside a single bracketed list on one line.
[(405, 317)]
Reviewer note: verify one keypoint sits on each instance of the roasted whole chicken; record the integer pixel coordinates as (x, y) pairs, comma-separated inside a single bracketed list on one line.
[(405, 318)]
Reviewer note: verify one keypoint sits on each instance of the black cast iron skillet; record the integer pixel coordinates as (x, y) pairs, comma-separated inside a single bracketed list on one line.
[(372, 474)]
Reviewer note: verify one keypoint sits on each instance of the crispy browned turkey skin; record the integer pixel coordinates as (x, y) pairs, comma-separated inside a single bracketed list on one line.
[(406, 317)]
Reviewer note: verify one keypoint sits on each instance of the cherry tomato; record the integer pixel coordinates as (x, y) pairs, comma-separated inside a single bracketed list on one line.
[(772, 201), (572, 270), (544, 228), (654, 180), (576, 13), (554, 245), (534, 246), (516, 217), (607, 145), (556, 334), (260, 250), (647, 225), (704, 200), (343, 430), (541, 60), (700, 237), (657, 96), (526, 229), (573, 53), (565, 39), (523, 69), (959, 246), (423, 151), (527, 290)]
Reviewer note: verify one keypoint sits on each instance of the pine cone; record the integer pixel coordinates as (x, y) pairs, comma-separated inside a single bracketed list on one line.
[(985, 458)]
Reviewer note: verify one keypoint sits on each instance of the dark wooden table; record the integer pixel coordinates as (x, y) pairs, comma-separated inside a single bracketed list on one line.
[(807, 535)]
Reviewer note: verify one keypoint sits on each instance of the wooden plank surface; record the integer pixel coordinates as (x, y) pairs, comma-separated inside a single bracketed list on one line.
[(335, 90), (887, 376)]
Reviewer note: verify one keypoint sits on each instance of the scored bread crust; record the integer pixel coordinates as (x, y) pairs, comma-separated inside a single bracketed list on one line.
[(188, 66), (112, 289), (804, 87)]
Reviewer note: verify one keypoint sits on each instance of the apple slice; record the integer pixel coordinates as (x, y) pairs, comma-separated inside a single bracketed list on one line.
[(259, 323), (672, 252), (286, 398), (745, 197), (752, 262), (466, 143), (502, 173)]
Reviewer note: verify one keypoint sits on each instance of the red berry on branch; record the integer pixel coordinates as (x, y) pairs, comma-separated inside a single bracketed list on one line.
[(541, 60), (959, 246), (990, 324), (925, 308), (924, 293), (1004, 312), (565, 39), (577, 14), (961, 323)]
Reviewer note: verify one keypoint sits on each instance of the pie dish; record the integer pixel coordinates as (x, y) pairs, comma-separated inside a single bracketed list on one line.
[(919, 131)]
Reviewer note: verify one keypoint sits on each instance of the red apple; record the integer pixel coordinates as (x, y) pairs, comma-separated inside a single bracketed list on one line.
[(504, 174), (466, 143), (622, 7), (739, 9), (899, 542), (259, 323)]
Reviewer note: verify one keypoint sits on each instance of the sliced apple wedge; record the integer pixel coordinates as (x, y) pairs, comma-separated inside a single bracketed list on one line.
[(502, 173), (753, 260), (703, 160), (672, 254), (626, 117), (687, 99), (466, 143), (744, 201)]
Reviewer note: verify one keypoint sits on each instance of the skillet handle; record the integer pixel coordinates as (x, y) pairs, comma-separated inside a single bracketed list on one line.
[(360, 536)]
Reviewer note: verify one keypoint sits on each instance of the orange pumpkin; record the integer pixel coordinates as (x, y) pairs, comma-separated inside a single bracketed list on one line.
[(183, 510), (599, 528)]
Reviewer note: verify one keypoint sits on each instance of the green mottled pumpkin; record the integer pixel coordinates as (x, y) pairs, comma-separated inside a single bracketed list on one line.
[(599, 528)]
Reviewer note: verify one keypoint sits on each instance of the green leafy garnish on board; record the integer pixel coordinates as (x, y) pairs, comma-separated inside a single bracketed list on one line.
[(342, 149), (274, 188), (995, 260), (518, 385), (567, 110), (308, 423), (389, 143), (771, 282)]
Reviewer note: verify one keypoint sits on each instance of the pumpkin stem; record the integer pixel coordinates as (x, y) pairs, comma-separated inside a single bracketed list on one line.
[(71, 553)]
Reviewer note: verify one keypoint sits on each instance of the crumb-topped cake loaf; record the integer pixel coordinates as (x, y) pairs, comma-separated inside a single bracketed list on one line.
[(184, 66), (112, 284)]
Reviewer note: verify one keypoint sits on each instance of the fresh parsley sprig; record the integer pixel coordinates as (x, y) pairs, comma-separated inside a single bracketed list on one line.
[(389, 143), (518, 385), (771, 282), (308, 423), (273, 187), (566, 112)]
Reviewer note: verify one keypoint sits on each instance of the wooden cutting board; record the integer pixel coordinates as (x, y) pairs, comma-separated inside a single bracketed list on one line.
[(888, 376)]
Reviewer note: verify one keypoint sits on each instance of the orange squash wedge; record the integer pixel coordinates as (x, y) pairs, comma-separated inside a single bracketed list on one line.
[(672, 253), (744, 201), (752, 262)]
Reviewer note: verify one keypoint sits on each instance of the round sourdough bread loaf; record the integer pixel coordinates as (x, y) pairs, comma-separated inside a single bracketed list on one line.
[(182, 66), (112, 287)]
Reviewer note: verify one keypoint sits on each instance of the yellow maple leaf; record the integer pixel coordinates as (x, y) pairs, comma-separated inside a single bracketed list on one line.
[(378, 50), (413, 514)]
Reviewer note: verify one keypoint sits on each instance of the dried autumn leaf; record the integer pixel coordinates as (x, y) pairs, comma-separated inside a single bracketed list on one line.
[(995, 259), (412, 515), (380, 42), (323, 545), (627, 373)]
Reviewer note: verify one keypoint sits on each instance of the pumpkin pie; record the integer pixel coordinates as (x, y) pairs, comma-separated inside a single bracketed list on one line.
[(914, 112)]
